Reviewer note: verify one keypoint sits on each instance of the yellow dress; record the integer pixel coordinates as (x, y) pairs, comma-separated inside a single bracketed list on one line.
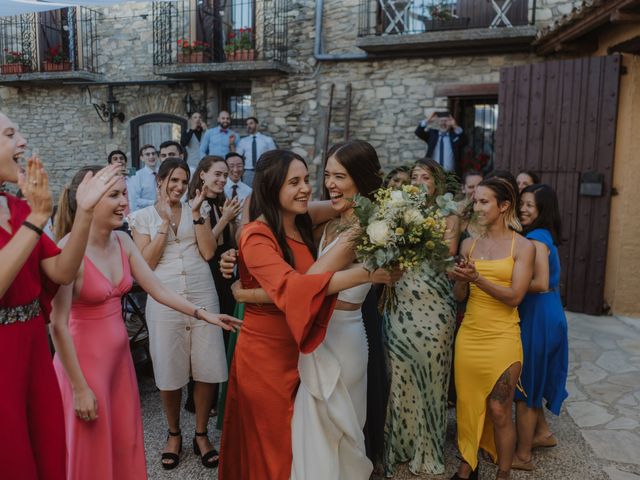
[(488, 343)]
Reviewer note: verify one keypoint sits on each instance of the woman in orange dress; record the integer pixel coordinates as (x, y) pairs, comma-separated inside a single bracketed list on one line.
[(276, 250)]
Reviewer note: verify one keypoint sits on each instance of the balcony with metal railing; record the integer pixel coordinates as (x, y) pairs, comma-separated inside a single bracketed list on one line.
[(49, 47), (232, 39), (446, 27)]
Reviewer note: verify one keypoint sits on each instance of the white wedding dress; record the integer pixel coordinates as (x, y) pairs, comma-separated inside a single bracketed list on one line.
[(331, 404)]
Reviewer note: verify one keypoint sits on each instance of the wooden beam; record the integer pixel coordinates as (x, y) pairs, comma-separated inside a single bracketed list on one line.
[(467, 90), (582, 46), (590, 19), (624, 17), (628, 46)]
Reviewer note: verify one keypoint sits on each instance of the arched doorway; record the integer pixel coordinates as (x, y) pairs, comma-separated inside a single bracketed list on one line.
[(153, 129)]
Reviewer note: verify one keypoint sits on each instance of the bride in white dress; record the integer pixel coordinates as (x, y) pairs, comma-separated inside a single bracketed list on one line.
[(331, 404)]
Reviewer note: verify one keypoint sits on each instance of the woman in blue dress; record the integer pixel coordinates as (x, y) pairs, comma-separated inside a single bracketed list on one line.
[(543, 327)]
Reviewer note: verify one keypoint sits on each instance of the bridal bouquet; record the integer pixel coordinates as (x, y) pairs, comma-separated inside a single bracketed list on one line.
[(402, 229)]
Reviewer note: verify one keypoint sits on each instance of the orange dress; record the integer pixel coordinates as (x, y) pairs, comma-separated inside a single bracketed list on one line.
[(263, 380)]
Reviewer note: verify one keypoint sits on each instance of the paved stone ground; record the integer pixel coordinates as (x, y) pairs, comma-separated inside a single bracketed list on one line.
[(598, 431)]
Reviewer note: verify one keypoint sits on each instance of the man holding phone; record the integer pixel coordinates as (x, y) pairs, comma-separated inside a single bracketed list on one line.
[(444, 140)]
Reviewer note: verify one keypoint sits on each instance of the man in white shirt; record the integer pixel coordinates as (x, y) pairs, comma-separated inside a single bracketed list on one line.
[(252, 146), (142, 186), (235, 187)]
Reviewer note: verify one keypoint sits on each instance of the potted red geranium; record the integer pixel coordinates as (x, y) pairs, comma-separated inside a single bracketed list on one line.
[(56, 60), (191, 52), (15, 62)]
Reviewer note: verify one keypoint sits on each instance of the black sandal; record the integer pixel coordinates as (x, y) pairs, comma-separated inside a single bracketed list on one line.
[(174, 458), (472, 476), (209, 459)]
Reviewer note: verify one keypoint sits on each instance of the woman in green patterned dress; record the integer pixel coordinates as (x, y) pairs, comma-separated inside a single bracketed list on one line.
[(418, 337)]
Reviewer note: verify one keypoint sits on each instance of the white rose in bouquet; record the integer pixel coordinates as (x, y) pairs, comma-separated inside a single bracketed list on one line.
[(413, 215), (397, 198), (379, 233)]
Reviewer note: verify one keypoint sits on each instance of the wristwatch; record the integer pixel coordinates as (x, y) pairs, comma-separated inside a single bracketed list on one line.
[(199, 221), (195, 312)]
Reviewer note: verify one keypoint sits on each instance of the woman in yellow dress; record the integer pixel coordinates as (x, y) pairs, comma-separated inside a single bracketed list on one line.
[(494, 272)]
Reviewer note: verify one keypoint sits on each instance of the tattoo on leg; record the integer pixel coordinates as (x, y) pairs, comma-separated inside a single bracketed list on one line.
[(502, 390)]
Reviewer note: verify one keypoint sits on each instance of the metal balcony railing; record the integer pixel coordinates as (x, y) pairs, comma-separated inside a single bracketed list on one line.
[(56, 40), (402, 17), (212, 31)]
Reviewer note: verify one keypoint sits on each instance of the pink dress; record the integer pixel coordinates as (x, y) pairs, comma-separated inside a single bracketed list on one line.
[(110, 447)]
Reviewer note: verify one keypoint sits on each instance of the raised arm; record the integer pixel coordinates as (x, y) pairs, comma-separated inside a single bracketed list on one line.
[(35, 186), (205, 239), (152, 250), (62, 269)]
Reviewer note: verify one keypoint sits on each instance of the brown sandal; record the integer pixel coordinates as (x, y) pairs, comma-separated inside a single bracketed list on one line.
[(547, 442)]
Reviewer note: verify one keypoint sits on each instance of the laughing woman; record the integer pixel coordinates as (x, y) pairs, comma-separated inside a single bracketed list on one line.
[(32, 433), (93, 361), (176, 242), (543, 325)]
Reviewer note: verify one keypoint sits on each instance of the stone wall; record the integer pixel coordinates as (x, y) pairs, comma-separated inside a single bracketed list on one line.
[(389, 96)]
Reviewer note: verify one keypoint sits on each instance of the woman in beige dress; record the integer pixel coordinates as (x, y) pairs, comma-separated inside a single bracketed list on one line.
[(177, 241)]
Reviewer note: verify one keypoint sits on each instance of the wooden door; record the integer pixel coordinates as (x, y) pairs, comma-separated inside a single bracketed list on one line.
[(558, 119)]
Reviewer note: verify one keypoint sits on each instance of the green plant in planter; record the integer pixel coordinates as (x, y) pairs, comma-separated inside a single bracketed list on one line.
[(441, 11), (15, 57)]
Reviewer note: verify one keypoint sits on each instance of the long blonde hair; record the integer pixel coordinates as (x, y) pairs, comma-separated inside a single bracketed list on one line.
[(67, 204)]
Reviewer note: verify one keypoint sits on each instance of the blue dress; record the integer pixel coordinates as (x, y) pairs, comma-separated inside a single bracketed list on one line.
[(543, 327)]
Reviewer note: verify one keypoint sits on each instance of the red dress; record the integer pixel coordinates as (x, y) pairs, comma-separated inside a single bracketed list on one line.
[(32, 443), (263, 380)]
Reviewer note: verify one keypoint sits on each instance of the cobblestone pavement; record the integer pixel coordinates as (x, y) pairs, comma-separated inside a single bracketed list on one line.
[(598, 430)]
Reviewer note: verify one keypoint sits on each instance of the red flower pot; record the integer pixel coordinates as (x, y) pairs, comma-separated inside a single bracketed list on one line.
[(56, 67), (194, 57), (13, 68)]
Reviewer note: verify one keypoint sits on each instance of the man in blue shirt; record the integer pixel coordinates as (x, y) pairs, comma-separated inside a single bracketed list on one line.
[(219, 140), (143, 186)]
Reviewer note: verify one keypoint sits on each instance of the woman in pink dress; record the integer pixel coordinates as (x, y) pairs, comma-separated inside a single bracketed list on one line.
[(93, 362)]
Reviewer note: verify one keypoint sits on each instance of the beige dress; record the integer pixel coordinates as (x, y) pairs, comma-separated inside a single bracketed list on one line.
[(181, 345)]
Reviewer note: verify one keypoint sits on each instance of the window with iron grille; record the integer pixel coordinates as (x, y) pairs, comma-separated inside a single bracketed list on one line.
[(237, 101), (478, 117)]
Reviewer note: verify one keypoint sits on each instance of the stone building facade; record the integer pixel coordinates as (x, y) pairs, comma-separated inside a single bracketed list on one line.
[(388, 95)]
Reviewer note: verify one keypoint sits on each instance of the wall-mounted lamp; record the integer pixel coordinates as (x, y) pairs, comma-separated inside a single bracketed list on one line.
[(107, 112)]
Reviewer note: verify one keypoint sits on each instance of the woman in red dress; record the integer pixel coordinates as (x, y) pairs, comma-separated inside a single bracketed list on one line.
[(276, 250), (32, 433)]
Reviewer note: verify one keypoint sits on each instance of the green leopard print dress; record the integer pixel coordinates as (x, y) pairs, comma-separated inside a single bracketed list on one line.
[(419, 337)]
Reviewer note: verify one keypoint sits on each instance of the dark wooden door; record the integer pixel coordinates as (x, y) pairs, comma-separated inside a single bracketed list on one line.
[(558, 119)]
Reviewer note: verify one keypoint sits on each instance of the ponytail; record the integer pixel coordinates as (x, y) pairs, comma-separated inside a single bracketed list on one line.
[(64, 217), (67, 205)]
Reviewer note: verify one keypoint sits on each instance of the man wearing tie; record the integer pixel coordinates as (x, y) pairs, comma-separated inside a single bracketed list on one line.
[(252, 146), (235, 187), (220, 140), (444, 144)]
